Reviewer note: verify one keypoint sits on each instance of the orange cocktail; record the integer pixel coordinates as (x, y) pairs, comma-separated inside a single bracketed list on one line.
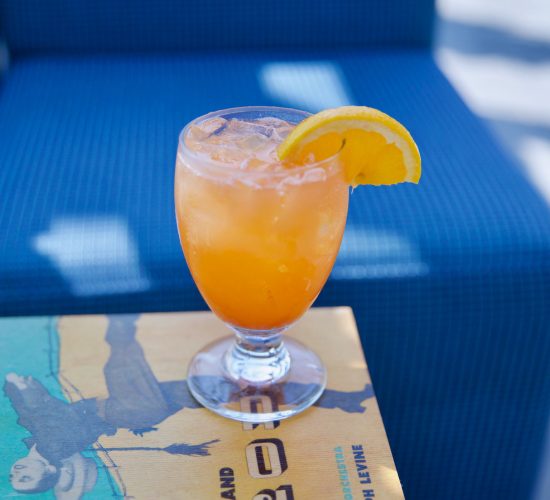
[(261, 202), (260, 237)]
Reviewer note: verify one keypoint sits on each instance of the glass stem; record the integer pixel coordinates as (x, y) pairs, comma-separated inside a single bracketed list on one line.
[(257, 357)]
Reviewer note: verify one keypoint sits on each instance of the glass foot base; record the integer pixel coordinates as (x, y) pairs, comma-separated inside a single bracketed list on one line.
[(217, 385)]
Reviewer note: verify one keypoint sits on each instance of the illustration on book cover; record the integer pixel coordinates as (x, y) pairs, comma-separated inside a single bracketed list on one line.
[(53, 444)]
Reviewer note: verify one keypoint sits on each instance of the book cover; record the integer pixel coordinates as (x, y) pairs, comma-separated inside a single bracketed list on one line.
[(97, 407)]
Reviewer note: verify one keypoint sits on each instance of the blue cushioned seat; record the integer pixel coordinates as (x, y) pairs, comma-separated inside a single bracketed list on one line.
[(449, 280)]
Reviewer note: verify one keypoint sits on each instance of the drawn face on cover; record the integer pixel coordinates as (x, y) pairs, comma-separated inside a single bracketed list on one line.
[(33, 474)]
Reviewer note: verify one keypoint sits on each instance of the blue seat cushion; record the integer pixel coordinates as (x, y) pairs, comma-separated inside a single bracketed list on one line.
[(449, 280)]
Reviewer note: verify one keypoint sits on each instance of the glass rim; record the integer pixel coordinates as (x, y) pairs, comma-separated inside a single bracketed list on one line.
[(205, 163)]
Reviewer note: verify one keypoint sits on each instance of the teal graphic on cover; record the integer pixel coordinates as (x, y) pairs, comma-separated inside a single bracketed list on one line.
[(30, 347)]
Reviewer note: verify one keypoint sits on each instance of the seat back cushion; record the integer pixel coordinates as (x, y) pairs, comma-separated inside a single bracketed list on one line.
[(138, 25)]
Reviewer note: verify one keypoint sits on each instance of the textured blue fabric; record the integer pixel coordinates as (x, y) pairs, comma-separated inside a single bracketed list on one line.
[(98, 25), (449, 280)]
